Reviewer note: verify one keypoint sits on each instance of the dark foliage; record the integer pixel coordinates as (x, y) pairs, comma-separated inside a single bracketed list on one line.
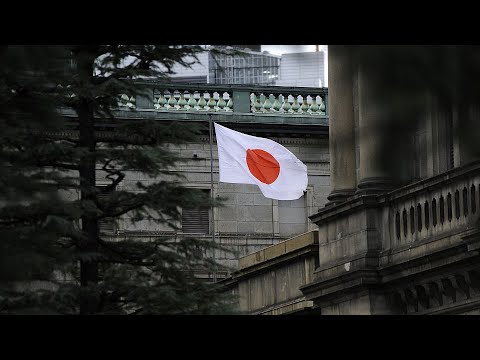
[(53, 259)]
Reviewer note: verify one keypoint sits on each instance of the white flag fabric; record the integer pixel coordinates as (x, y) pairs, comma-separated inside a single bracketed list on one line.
[(246, 159)]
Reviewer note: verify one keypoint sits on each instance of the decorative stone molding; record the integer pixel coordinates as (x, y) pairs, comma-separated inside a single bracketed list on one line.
[(436, 293)]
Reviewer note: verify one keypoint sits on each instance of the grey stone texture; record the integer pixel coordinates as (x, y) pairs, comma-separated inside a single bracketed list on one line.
[(268, 282), (413, 249), (248, 221)]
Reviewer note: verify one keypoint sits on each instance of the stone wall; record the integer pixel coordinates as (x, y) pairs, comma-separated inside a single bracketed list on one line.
[(269, 280), (248, 221)]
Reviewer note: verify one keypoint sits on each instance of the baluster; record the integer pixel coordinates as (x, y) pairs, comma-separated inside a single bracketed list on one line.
[(221, 103), (182, 103), (272, 99), (120, 100), (229, 103), (295, 105), (277, 105), (172, 103), (322, 107), (304, 106), (258, 105), (202, 103), (267, 105), (286, 104), (192, 103), (314, 107), (162, 101), (124, 100), (132, 103), (176, 96), (168, 97), (211, 103), (187, 96)]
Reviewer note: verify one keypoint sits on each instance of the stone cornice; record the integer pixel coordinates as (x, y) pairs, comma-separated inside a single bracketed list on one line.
[(393, 276), (338, 286), (265, 125)]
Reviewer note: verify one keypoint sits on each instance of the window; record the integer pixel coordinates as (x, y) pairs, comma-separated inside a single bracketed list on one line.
[(196, 221)]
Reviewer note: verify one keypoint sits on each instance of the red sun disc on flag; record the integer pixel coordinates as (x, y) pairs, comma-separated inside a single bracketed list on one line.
[(263, 165)]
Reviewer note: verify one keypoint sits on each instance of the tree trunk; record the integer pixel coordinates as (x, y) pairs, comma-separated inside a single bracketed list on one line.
[(88, 268)]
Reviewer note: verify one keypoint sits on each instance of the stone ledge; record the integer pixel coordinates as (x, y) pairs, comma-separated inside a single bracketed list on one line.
[(286, 308), (280, 249)]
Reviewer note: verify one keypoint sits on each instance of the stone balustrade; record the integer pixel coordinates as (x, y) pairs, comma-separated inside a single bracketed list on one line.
[(287, 104), (124, 101), (230, 98), (178, 100), (441, 205)]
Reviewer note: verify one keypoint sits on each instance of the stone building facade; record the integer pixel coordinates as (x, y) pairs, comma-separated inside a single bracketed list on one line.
[(297, 118), (387, 244)]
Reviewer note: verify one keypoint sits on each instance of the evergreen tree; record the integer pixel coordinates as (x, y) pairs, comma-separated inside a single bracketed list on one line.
[(47, 158)]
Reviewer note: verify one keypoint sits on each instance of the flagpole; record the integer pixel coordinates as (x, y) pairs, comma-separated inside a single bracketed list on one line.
[(211, 192)]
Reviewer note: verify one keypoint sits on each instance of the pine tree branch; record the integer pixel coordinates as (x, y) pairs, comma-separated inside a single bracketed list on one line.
[(13, 222), (124, 210), (63, 139), (136, 311), (127, 259), (128, 262), (127, 140), (59, 165), (111, 173)]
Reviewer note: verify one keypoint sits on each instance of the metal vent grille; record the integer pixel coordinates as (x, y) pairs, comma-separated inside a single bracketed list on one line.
[(196, 221)]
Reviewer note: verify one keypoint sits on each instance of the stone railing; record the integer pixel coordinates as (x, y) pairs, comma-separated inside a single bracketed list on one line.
[(177, 100), (287, 104), (230, 98), (125, 101), (441, 205)]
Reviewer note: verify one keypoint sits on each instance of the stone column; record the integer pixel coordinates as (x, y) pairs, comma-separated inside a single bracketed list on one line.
[(373, 122), (464, 137), (341, 123)]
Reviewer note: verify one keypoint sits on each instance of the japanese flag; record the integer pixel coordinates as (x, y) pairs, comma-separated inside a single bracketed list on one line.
[(246, 159)]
